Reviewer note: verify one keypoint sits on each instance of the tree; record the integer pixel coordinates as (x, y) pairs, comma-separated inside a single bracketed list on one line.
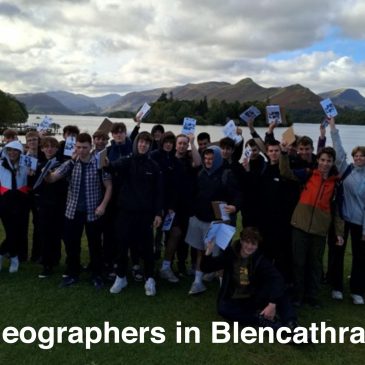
[(12, 110)]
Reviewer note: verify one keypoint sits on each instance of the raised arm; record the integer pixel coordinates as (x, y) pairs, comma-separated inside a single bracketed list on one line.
[(341, 159)]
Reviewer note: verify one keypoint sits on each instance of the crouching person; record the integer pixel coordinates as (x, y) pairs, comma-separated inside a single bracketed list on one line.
[(252, 291), (139, 210), (85, 206)]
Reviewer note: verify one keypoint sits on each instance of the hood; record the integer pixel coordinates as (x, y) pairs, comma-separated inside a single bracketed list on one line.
[(217, 162), (146, 135), (16, 145)]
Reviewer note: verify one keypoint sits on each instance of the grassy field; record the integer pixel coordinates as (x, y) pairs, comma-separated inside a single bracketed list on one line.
[(26, 300)]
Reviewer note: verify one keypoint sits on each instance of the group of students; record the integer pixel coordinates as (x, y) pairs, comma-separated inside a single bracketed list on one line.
[(291, 201)]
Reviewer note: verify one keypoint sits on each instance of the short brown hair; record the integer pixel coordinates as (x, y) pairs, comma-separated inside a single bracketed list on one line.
[(305, 141), (84, 137), (119, 127), (248, 234), (101, 134), (49, 141), (10, 134), (357, 149), (31, 134)]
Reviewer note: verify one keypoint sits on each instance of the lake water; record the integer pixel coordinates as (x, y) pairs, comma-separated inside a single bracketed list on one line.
[(351, 135)]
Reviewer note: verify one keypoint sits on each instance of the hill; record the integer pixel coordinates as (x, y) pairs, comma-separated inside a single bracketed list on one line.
[(346, 98)]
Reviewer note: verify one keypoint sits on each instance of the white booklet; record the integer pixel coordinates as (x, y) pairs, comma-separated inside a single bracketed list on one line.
[(273, 114), (50, 165), (28, 161), (230, 130), (188, 126), (251, 113), (143, 111), (220, 233), (69, 146), (329, 108), (167, 223), (45, 124), (101, 158), (247, 152)]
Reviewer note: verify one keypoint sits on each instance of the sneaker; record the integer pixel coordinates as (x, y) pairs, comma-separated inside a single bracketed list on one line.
[(197, 288), (97, 282), (357, 299), (169, 275), (137, 273), (68, 281), (46, 272), (150, 287), (118, 285), (14, 264), (336, 294), (209, 277)]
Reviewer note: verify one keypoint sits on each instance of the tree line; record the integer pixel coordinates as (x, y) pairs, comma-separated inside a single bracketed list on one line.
[(11, 110)]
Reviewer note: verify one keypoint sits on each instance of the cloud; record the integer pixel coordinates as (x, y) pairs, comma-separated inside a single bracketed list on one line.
[(88, 46)]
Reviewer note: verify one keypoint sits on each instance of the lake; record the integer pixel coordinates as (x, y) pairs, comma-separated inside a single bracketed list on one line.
[(351, 135)]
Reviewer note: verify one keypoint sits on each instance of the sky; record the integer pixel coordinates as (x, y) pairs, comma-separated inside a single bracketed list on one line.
[(96, 47)]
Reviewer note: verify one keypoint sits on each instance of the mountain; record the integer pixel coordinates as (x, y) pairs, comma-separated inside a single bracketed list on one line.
[(77, 102), (346, 98), (105, 101), (292, 97), (41, 103), (134, 100)]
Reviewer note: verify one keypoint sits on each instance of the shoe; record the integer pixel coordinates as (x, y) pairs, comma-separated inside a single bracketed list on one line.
[(68, 281), (169, 275), (46, 272), (118, 285), (357, 299), (14, 264), (263, 322), (137, 273), (336, 294), (209, 277), (97, 282), (197, 288), (150, 287)]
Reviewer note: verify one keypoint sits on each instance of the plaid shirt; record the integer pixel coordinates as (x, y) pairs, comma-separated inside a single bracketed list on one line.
[(93, 186)]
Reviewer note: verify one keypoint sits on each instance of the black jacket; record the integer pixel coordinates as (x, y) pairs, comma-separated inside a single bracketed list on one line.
[(266, 283)]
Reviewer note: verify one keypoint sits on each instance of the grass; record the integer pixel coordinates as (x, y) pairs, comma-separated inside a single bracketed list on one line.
[(26, 300)]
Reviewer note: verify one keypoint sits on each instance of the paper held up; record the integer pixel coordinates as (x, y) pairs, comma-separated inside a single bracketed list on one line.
[(230, 131), (251, 113), (50, 165), (142, 113), (273, 114), (45, 124), (219, 211), (220, 233), (28, 161), (329, 108), (106, 126), (69, 146), (288, 136), (167, 223), (189, 125)]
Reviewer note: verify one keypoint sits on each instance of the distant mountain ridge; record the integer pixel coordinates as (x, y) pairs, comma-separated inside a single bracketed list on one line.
[(346, 98), (293, 97)]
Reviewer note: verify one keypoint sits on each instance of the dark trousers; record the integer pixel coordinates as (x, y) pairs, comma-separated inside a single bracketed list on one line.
[(73, 230), (36, 239), (134, 230), (308, 251), (51, 224), (14, 218), (246, 311), (108, 233), (336, 255)]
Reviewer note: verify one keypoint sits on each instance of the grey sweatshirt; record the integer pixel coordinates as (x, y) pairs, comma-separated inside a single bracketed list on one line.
[(353, 208)]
